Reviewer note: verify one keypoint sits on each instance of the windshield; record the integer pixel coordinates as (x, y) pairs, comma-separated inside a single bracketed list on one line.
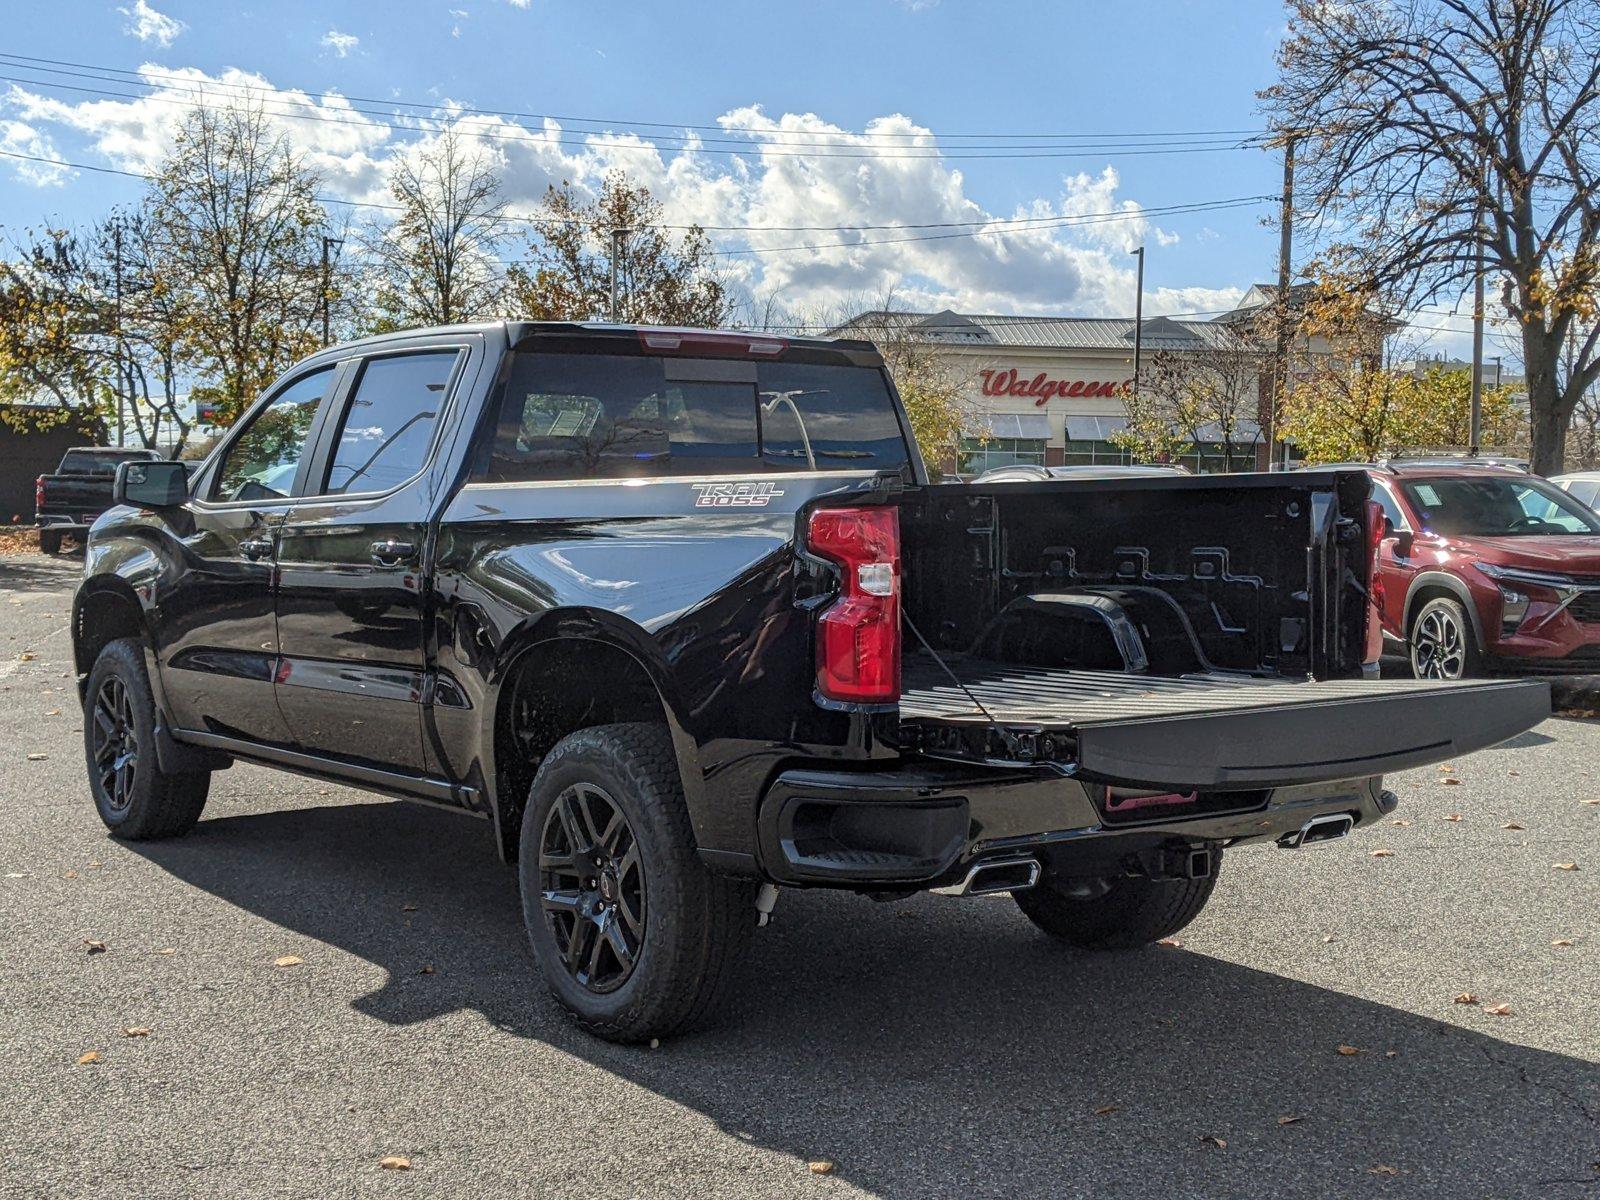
[(1497, 506)]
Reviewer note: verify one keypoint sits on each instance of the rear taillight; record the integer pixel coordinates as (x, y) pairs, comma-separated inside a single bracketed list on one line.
[(38, 493), (1374, 648), (858, 635)]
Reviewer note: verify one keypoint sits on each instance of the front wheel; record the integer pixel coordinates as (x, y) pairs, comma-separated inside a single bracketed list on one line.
[(634, 936), (135, 798), (1441, 642), (1119, 913)]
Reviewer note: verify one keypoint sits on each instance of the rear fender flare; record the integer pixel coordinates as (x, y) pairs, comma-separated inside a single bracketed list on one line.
[(620, 634)]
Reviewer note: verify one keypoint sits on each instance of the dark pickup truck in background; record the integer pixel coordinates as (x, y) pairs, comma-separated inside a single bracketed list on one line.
[(682, 616), (69, 499)]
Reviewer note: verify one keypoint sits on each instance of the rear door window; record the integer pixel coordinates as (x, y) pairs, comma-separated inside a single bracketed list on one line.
[(389, 422), (611, 416)]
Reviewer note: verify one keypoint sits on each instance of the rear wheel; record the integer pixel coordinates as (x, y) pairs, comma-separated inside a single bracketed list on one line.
[(634, 936), (50, 541), (1119, 913), (135, 798), (1441, 642)]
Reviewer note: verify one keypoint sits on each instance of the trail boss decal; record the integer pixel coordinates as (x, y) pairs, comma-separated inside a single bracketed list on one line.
[(734, 495)]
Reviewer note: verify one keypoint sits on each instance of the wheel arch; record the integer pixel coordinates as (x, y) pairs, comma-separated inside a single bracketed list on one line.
[(569, 671), (1432, 585)]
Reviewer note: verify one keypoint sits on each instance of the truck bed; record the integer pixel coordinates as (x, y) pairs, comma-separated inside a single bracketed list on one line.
[(1215, 730)]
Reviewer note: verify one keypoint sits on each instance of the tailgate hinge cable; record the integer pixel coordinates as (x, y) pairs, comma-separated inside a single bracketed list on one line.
[(1006, 736)]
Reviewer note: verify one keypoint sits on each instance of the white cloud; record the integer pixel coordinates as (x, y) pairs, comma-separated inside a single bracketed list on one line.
[(19, 138), (148, 25), (1043, 256), (340, 43)]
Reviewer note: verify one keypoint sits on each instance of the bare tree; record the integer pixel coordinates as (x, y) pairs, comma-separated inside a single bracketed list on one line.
[(1193, 396), (436, 262), (661, 280), (1433, 131), (235, 227)]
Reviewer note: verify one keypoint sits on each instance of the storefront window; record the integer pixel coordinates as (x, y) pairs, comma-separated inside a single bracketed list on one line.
[(1082, 453), (976, 456)]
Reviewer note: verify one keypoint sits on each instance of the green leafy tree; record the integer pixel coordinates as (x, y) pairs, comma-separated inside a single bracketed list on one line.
[(661, 280)]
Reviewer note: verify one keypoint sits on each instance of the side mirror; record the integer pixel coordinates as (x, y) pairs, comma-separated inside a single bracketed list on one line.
[(151, 484), (1403, 540)]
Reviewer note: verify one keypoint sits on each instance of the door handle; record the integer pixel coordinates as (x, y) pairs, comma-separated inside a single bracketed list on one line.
[(256, 548), (389, 552)]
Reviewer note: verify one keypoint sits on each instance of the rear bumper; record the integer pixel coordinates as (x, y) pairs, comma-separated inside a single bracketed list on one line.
[(925, 825)]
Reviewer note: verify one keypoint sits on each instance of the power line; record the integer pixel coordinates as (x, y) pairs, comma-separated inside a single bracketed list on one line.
[(448, 110), (323, 114), (988, 229)]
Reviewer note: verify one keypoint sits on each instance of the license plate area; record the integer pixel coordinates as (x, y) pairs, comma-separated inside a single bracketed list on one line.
[(1123, 806)]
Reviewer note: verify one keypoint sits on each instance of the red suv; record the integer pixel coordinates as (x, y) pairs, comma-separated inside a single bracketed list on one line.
[(1486, 567)]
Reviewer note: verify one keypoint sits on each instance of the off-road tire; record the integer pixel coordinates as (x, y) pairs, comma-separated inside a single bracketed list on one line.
[(157, 803), (1135, 912), (50, 541), (1444, 614), (697, 925)]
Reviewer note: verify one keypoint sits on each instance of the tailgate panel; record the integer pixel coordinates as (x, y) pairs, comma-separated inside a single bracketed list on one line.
[(1219, 731)]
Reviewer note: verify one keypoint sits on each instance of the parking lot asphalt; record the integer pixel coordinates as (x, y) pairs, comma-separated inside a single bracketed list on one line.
[(926, 1048)]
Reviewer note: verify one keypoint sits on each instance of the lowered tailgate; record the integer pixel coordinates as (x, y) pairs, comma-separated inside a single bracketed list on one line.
[(1206, 731)]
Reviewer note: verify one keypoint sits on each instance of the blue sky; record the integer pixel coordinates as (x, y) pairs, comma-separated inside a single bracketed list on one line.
[(867, 81)]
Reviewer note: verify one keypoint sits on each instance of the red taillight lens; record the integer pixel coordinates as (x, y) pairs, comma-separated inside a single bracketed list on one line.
[(38, 493), (1374, 648), (858, 636)]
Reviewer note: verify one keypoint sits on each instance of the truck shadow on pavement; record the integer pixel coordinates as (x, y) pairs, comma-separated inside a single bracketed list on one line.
[(934, 1047)]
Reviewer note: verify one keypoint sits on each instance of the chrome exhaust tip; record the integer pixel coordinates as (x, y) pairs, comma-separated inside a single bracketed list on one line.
[(995, 875), (1319, 829)]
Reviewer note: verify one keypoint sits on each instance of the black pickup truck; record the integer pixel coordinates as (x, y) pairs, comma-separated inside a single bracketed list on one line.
[(70, 498), (680, 613)]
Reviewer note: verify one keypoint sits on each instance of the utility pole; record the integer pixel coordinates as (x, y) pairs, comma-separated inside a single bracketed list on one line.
[(328, 243), (1138, 321), (1280, 362), (116, 333), (1475, 419), (617, 236)]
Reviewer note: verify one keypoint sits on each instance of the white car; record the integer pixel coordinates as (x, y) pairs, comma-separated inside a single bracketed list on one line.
[(1583, 485)]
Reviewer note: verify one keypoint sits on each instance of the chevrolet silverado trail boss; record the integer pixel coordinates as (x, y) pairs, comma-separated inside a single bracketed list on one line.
[(680, 613)]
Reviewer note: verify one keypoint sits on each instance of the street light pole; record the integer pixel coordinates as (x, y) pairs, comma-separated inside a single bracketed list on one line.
[(327, 284), (616, 253), (1138, 321)]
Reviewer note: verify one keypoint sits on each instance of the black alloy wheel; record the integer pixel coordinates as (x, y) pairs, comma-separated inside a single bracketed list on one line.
[(592, 887), (115, 743)]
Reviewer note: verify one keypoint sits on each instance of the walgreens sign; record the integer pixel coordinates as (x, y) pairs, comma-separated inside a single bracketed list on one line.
[(1041, 388)]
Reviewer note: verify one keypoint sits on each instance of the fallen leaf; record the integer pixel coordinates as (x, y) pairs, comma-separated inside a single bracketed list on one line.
[(1219, 1143), (821, 1167), (1449, 781), (1590, 802), (426, 970), (1290, 1120), (94, 947), (1499, 1010), (1451, 817), (655, 1043), (167, 950), (1384, 1169), (1391, 1054), (1174, 942), (136, 1031), (54, 712), (395, 1162), (1562, 942), (1513, 772), (1106, 1109), (1383, 854), (1467, 998), (85, 1059), (1348, 1051), (1445, 768), (1401, 821), (1572, 866), (96, 865), (69, 874), (1512, 825), (27, 656), (1329, 938), (408, 908), (37, 757), (288, 960)]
